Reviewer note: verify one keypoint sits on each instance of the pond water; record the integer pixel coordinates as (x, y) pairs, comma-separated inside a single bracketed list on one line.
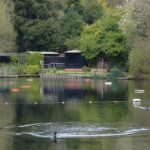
[(86, 114)]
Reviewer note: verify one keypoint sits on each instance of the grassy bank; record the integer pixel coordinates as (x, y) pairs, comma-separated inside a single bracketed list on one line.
[(18, 70)]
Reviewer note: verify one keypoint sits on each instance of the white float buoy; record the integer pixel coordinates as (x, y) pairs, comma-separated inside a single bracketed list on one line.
[(6, 103), (90, 102), (63, 102), (108, 83), (136, 100), (136, 104), (30, 80), (139, 91), (35, 103)]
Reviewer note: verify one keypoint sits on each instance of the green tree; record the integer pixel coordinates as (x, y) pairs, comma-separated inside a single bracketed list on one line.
[(34, 24), (127, 24), (112, 41), (7, 32), (34, 58), (137, 30), (92, 11), (71, 25), (105, 39), (41, 35), (135, 22), (72, 43), (89, 41), (140, 61), (76, 4)]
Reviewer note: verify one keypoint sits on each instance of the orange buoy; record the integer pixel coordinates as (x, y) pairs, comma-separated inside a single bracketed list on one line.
[(25, 86), (87, 80), (15, 90)]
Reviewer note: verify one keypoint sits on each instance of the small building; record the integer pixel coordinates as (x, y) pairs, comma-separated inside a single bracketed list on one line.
[(74, 59), (5, 57), (53, 59)]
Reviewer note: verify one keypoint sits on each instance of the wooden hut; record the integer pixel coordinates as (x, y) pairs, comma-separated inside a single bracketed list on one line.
[(5, 57), (52, 60), (74, 59)]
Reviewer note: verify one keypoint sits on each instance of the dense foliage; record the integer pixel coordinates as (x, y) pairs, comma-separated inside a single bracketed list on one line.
[(140, 61), (27, 64), (36, 23), (105, 39), (71, 27), (7, 33), (99, 28), (89, 41), (135, 24)]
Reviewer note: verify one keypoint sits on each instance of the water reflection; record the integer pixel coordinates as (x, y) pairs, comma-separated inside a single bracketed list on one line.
[(86, 115), (78, 89), (7, 117)]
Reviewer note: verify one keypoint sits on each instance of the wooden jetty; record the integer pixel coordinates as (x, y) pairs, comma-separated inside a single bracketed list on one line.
[(8, 76), (64, 76), (6, 73)]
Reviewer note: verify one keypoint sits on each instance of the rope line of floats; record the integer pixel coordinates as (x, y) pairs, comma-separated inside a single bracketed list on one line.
[(136, 101)]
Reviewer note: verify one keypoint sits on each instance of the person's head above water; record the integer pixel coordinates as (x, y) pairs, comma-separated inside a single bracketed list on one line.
[(55, 132)]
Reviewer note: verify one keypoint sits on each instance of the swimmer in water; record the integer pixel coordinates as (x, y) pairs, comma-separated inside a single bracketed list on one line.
[(55, 138)]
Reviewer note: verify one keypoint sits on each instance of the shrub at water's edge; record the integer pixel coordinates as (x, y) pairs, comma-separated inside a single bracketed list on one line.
[(26, 64), (115, 73), (140, 63)]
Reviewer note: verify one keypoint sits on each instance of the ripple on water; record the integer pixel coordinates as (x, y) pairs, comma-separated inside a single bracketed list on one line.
[(73, 130)]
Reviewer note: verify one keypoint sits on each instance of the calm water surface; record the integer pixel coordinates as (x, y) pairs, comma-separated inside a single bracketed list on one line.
[(87, 115)]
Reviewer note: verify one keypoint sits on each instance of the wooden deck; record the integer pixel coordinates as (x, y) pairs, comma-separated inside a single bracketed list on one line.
[(8, 76), (64, 76)]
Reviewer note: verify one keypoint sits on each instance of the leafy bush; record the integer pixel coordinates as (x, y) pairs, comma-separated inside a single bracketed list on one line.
[(86, 69), (139, 61), (22, 58), (50, 70), (34, 58), (115, 73), (19, 59), (99, 76), (19, 69), (27, 69), (14, 59), (31, 70), (27, 59), (6, 69)]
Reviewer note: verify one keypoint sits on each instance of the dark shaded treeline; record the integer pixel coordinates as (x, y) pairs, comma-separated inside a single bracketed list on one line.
[(51, 25)]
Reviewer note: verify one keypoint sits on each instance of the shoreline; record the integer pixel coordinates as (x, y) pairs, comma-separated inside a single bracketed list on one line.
[(72, 76)]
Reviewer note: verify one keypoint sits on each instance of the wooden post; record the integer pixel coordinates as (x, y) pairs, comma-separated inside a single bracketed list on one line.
[(42, 66), (102, 63)]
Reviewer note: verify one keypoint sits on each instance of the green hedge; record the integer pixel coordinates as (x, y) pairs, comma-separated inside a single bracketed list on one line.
[(115, 73)]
